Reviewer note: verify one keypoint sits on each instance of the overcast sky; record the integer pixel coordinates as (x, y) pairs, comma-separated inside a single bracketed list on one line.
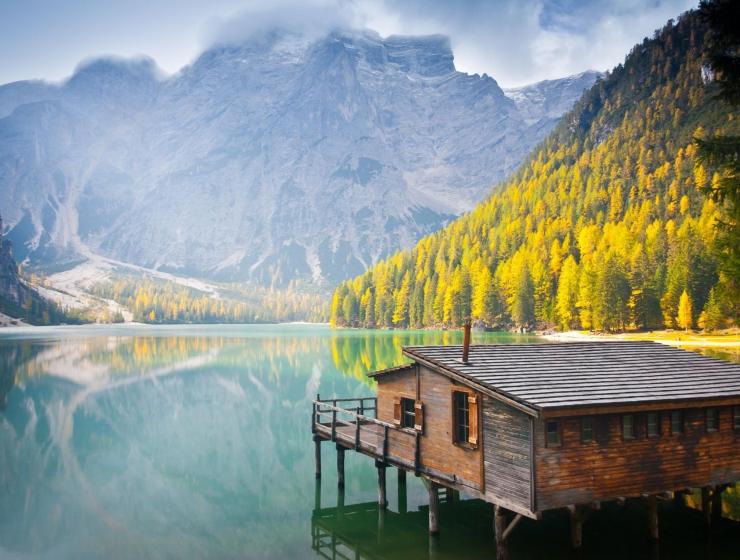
[(515, 41)]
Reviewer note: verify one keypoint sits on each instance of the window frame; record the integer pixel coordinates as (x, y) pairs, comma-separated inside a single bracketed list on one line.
[(711, 412), (592, 437), (408, 417), (658, 426), (471, 404), (458, 398), (558, 431), (681, 426), (633, 427)]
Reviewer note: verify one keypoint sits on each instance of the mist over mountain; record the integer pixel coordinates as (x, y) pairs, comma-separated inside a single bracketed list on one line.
[(278, 158)]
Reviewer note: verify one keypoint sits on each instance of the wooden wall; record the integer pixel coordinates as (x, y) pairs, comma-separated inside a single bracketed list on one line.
[(392, 386), (507, 454), (437, 448), (611, 467)]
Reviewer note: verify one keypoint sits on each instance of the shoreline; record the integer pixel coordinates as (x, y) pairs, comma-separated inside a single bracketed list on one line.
[(670, 338)]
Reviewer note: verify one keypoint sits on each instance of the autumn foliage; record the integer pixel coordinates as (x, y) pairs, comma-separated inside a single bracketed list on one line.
[(604, 228)]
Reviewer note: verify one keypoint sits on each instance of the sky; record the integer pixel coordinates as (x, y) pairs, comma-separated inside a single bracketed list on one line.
[(515, 41)]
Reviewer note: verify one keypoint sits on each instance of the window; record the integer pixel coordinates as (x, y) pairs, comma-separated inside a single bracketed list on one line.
[(408, 413), (712, 419), (676, 422), (653, 424), (552, 433), (465, 417), (587, 429), (736, 417), (628, 426)]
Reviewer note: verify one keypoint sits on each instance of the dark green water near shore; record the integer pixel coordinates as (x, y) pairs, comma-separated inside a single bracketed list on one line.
[(194, 442)]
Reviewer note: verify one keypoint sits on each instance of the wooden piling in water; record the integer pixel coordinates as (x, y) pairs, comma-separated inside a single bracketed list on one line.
[(340, 466), (652, 511), (317, 455), (402, 494), (717, 504), (706, 509), (382, 497), (499, 526), (433, 489), (576, 526)]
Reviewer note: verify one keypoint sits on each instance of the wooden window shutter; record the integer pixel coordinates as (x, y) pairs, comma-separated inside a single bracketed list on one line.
[(473, 419), (397, 411), (418, 416)]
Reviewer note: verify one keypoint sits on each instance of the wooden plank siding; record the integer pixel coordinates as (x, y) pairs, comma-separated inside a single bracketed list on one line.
[(611, 467), (507, 455), (437, 448)]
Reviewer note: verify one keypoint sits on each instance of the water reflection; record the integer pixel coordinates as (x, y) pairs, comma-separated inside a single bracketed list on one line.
[(362, 530), (193, 442)]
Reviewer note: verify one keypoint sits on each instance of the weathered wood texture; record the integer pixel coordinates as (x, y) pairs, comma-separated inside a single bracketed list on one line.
[(437, 448), (507, 454), (391, 387), (610, 467)]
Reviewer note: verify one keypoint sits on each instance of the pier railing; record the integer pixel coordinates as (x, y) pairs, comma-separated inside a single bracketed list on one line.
[(348, 421)]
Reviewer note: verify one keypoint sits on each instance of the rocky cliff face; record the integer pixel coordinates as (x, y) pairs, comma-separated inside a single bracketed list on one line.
[(277, 159), (13, 292)]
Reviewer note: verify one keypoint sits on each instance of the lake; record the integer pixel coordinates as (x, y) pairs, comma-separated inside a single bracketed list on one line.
[(194, 442)]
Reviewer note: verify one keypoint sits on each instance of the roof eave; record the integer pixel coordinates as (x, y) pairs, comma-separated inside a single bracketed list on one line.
[(390, 370), (473, 383)]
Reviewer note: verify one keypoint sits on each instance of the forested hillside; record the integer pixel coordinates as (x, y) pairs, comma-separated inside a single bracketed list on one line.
[(604, 228)]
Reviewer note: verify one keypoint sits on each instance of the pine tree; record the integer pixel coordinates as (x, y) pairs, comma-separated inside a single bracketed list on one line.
[(567, 294), (401, 304), (684, 318), (522, 307)]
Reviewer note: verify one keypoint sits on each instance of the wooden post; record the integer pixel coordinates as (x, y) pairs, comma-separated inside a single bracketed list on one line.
[(334, 420), (317, 495), (382, 500), (433, 488), (717, 504), (705, 505), (357, 429), (340, 501), (576, 526), (499, 526), (652, 511), (340, 466), (317, 455), (402, 494)]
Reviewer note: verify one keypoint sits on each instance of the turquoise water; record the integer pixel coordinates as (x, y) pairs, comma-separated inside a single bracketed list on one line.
[(194, 442)]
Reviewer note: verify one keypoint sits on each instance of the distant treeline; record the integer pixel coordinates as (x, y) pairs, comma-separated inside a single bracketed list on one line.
[(606, 227), (156, 301)]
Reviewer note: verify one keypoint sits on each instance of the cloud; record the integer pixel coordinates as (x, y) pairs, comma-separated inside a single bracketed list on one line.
[(309, 17), (523, 41)]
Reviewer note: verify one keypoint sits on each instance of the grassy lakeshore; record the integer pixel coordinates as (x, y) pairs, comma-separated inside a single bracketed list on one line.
[(726, 343)]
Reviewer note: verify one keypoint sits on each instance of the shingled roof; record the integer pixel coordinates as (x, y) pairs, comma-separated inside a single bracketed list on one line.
[(575, 374)]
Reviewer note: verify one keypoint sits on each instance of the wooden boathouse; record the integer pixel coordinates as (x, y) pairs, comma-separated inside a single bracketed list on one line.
[(536, 427)]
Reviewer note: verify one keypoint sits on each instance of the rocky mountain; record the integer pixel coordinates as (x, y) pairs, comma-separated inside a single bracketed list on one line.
[(276, 159), (17, 299), (12, 290), (543, 103)]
